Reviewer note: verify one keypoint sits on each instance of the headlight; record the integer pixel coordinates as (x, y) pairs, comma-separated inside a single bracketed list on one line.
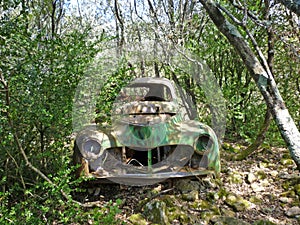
[(204, 142), (92, 142), (91, 146)]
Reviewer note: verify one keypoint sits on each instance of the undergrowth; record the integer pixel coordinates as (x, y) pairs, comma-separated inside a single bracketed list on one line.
[(44, 204)]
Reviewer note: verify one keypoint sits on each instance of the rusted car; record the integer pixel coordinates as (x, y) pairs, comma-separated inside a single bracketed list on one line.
[(153, 136)]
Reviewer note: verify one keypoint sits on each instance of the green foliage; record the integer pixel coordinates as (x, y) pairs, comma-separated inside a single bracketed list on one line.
[(235, 81), (42, 71), (109, 91), (43, 57), (246, 107), (44, 204)]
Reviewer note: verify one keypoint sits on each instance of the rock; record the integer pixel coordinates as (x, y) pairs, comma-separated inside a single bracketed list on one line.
[(227, 212), (266, 183), (231, 199), (156, 212), (292, 212), (263, 222), (191, 196), (208, 209), (186, 185), (201, 205), (261, 175), (256, 187), (284, 175), (255, 199), (177, 214), (226, 220), (251, 178), (235, 178), (263, 165), (169, 200), (137, 219), (207, 216), (273, 173), (287, 162), (97, 192), (237, 202), (285, 200)]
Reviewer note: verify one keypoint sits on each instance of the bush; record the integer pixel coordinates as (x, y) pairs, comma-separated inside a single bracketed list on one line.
[(44, 204)]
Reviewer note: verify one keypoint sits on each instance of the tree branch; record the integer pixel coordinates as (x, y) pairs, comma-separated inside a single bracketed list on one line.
[(263, 79), (22, 151)]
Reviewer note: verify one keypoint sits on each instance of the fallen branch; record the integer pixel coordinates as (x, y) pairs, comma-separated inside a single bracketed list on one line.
[(258, 141)]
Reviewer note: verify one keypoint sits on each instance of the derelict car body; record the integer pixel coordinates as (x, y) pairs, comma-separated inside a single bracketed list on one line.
[(152, 137)]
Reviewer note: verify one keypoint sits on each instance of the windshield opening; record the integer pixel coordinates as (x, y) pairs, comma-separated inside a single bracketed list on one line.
[(145, 92)]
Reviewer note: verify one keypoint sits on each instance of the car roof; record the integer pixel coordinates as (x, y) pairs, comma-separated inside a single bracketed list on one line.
[(156, 80)]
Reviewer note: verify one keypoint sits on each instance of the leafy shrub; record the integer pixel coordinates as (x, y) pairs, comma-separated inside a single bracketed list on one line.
[(44, 204)]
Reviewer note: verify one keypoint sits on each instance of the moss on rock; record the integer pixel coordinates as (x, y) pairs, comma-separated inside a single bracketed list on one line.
[(225, 220), (237, 202), (263, 222), (235, 178), (191, 196), (156, 212), (137, 219)]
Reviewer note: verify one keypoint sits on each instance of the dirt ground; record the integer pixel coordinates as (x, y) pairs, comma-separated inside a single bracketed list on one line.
[(263, 189)]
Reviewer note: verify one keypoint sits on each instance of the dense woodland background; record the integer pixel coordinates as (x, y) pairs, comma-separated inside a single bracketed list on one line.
[(48, 45)]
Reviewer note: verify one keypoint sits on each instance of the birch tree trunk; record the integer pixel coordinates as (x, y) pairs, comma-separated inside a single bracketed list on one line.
[(262, 77)]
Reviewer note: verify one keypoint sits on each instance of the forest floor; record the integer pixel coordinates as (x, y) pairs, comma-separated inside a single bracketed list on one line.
[(263, 189)]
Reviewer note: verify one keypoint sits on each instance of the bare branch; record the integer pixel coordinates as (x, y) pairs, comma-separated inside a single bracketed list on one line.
[(119, 20), (233, 18), (117, 12), (136, 11), (18, 169), (53, 24), (22, 151), (243, 25), (266, 25), (264, 81)]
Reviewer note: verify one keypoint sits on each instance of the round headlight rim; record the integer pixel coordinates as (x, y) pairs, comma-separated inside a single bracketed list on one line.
[(85, 141), (209, 143)]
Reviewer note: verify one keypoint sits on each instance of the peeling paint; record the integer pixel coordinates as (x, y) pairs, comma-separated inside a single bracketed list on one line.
[(232, 29), (262, 80)]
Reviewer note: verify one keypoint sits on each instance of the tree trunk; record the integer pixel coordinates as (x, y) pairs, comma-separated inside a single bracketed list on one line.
[(262, 77)]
